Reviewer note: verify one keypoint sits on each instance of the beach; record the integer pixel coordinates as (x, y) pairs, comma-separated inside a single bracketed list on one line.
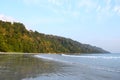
[(54, 67)]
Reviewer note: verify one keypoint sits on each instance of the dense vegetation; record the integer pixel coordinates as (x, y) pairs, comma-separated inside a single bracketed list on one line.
[(14, 37)]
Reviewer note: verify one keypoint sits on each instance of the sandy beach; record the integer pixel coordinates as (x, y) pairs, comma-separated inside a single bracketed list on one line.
[(28, 67)]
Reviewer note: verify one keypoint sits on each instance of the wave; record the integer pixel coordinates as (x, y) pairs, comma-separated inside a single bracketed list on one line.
[(38, 56), (51, 58), (83, 64), (93, 57)]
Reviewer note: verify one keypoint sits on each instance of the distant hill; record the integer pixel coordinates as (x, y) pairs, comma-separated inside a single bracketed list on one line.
[(14, 37)]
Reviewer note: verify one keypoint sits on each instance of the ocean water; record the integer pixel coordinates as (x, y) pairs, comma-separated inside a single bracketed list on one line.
[(60, 67), (89, 66)]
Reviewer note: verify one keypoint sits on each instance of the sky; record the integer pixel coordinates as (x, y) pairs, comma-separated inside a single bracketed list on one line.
[(95, 22)]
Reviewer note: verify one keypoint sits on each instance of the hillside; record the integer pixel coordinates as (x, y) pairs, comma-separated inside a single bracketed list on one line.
[(14, 37)]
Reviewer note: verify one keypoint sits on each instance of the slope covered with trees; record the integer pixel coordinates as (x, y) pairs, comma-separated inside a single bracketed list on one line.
[(14, 37)]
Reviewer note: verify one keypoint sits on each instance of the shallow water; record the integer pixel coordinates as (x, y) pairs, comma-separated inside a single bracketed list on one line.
[(59, 67), (18, 67), (89, 66)]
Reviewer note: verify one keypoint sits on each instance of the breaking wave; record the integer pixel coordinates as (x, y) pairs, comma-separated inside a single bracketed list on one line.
[(94, 61), (50, 58), (93, 57)]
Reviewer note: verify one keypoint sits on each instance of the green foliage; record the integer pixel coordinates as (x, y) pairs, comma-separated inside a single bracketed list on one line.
[(16, 38)]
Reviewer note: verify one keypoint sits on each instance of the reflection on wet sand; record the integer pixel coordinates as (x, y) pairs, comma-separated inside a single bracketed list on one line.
[(19, 66)]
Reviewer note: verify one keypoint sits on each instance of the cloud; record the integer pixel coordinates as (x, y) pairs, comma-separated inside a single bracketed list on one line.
[(76, 8), (104, 7), (86, 3), (7, 18), (31, 2), (117, 10), (117, 7), (105, 10), (56, 2)]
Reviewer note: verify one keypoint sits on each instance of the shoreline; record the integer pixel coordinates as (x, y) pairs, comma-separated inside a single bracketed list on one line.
[(31, 68)]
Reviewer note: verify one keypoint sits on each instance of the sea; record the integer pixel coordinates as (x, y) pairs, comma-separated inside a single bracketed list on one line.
[(102, 66)]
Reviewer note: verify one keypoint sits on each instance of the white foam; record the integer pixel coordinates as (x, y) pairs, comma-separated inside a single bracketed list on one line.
[(72, 62), (94, 57), (7, 18), (50, 58)]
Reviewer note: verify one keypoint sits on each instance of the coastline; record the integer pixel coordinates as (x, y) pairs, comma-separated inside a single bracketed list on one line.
[(28, 67)]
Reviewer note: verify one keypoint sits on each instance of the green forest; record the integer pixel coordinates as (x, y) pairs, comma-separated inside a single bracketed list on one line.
[(14, 37)]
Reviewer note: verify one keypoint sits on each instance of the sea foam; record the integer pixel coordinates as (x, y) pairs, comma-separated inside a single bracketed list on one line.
[(93, 57)]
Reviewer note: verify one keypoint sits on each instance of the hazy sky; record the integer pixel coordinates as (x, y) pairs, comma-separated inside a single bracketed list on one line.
[(95, 22)]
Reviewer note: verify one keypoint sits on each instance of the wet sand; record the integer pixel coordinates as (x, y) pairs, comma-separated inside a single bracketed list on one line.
[(27, 67)]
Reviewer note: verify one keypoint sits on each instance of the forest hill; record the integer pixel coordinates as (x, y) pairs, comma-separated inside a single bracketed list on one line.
[(14, 37)]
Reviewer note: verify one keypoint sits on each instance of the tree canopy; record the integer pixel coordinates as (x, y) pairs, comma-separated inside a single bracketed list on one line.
[(14, 37)]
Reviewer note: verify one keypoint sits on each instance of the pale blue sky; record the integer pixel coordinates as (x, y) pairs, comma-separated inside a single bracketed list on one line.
[(95, 22)]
